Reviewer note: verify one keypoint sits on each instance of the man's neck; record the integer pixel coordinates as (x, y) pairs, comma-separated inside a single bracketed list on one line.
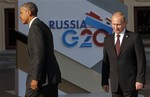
[(30, 18), (31, 21)]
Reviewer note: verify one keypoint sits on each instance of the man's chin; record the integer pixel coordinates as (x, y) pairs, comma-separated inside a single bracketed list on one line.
[(117, 32)]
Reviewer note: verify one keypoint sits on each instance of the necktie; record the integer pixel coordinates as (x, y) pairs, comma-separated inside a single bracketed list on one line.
[(118, 44)]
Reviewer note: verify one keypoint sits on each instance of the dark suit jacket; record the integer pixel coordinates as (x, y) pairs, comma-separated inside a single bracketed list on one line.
[(128, 67), (41, 53)]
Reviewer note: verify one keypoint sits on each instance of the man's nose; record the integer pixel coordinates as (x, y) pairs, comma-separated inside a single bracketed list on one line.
[(115, 27)]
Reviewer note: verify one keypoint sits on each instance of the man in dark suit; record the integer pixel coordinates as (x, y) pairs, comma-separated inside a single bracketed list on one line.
[(44, 74), (124, 64)]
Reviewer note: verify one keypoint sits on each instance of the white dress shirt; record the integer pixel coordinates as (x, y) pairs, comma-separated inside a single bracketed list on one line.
[(32, 21), (121, 36)]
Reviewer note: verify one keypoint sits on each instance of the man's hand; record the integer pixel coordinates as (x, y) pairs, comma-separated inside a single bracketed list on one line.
[(139, 86), (34, 84), (106, 88)]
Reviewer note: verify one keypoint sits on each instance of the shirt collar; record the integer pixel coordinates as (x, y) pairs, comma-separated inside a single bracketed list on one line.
[(32, 21)]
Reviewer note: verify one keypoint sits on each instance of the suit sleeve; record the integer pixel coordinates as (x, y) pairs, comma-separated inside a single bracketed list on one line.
[(141, 60), (37, 52), (105, 66)]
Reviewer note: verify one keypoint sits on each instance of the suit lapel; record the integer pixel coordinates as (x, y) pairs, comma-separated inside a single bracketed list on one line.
[(125, 38), (112, 44)]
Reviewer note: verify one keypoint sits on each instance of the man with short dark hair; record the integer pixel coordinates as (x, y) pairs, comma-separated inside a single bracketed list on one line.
[(44, 74)]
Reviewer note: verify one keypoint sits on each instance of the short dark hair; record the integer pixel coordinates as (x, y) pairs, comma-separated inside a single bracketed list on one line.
[(32, 7)]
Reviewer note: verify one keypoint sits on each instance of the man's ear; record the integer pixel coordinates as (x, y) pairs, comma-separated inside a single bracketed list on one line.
[(29, 12)]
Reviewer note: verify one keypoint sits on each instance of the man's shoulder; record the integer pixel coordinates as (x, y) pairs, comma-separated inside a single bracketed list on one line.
[(109, 36), (37, 22), (132, 33)]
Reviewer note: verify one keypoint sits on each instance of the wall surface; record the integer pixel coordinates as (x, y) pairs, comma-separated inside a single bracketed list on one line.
[(3, 5)]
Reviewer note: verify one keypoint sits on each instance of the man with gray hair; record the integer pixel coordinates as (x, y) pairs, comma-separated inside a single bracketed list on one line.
[(124, 60)]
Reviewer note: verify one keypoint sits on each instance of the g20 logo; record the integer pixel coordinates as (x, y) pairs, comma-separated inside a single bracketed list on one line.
[(87, 41)]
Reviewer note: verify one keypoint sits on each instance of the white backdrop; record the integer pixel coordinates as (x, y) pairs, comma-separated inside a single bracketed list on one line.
[(59, 11)]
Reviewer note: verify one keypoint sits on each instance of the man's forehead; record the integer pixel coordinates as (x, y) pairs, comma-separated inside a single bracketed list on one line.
[(24, 8)]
